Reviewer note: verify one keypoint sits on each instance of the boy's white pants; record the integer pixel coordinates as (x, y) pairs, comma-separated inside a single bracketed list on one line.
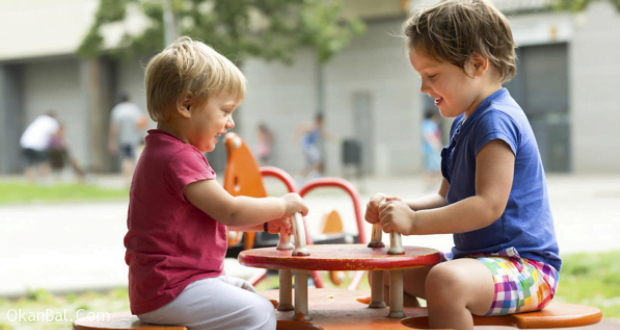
[(216, 303)]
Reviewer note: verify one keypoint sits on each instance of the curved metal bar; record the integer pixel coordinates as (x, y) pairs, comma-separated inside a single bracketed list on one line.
[(346, 186), (289, 182), (286, 178)]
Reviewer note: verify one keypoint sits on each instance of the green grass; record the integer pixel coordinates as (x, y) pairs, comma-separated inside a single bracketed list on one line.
[(23, 192), (588, 279), (40, 301), (592, 279)]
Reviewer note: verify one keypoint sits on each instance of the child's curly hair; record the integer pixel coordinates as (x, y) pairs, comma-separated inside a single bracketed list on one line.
[(453, 29), (189, 66)]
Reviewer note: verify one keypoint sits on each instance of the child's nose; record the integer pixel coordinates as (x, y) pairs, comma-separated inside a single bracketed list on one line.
[(231, 123), (424, 88)]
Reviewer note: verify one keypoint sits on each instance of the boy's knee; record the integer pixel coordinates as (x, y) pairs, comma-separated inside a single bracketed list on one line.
[(443, 280)]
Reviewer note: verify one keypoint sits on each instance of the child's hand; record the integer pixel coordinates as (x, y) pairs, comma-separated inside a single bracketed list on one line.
[(395, 215), (372, 208), (275, 226), (293, 204)]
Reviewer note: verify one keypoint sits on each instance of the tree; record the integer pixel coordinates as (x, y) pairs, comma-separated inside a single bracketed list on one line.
[(268, 29), (579, 5)]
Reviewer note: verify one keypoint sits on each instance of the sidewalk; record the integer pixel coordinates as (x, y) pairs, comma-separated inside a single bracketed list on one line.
[(69, 247)]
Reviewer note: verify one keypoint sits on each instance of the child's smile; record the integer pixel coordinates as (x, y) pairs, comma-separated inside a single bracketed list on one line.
[(212, 120), (454, 91)]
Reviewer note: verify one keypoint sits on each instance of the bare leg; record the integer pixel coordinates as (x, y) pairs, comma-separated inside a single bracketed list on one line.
[(457, 289), (44, 172), (127, 167), (30, 174)]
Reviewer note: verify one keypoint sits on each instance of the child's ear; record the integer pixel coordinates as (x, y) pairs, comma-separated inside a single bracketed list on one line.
[(184, 104), (479, 64)]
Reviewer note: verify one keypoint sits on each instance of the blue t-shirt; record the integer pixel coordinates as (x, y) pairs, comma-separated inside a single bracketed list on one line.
[(526, 223)]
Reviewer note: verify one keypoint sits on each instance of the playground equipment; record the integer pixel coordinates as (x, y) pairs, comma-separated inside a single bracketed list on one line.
[(338, 308)]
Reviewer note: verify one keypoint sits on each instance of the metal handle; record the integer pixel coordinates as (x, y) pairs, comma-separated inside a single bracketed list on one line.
[(300, 236), (375, 236), (396, 242)]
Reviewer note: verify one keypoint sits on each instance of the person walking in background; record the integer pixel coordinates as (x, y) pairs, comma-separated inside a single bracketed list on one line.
[(265, 144), (34, 142), (312, 147), (126, 124), (59, 154), (431, 149)]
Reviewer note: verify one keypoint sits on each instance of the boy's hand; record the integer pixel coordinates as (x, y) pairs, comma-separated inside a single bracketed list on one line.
[(293, 204), (275, 226), (372, 208), (395, 215)]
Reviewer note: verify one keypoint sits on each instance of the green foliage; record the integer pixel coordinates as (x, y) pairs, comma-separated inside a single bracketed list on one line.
[(579, 5), (268, 29)]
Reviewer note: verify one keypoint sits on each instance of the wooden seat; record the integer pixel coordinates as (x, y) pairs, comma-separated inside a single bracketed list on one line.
[(556, 315)]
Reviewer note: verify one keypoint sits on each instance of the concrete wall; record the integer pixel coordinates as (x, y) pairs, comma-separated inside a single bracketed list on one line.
[(594, 63), (11, 118), (376, 63), (130, 80), (54, 85)]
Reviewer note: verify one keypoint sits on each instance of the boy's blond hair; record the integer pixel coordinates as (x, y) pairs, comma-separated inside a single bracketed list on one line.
[(189, 66), (453, 29)]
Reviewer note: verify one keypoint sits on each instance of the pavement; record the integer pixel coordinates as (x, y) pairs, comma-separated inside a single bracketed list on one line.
[(77, 246)]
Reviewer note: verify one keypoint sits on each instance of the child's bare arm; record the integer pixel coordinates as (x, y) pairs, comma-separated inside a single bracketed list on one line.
[(432, 201), (494, 174), (211, 198), (273, 226), (427, 202)]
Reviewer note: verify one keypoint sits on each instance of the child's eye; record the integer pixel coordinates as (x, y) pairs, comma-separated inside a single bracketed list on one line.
[(431, 76)]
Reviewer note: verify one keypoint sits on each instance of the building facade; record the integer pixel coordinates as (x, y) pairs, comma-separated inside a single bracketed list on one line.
[(566, 82)]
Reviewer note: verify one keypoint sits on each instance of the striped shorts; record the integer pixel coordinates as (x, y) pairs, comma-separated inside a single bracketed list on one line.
[(521, 285)]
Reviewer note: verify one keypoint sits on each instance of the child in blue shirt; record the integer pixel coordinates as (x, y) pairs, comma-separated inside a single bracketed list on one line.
[(493, 196)]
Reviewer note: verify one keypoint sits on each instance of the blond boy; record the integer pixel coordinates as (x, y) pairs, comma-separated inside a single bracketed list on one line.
[(178, 214)]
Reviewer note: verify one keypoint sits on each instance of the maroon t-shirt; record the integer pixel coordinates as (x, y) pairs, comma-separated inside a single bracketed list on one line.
[(170, 242)]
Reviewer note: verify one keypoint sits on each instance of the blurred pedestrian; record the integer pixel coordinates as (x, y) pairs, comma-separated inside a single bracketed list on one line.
[(127, 123), (314, 135), (60, 154), (431, 149), (265, 144), (34, 142)]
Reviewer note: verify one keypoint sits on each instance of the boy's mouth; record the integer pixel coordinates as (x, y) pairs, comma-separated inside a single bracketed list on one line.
[(218, 134), (438, 101)]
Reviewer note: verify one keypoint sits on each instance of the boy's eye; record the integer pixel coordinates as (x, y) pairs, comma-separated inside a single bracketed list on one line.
[(431, 76)]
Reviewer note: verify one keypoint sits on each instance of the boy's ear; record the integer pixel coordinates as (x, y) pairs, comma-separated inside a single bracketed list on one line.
[(479, 64), (184, 104)]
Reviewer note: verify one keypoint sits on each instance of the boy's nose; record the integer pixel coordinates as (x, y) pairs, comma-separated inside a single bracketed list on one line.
[(424, 88), (231, 123)]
